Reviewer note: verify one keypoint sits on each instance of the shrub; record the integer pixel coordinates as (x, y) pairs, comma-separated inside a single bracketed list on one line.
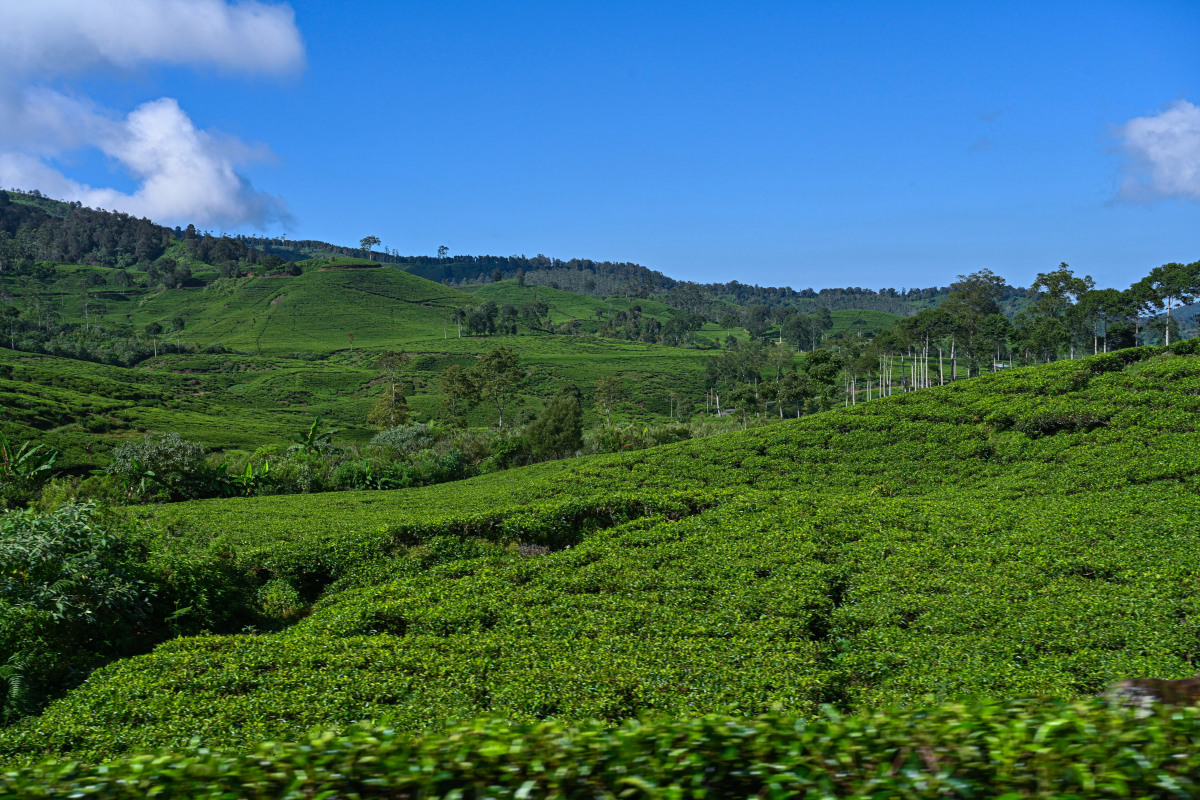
[(168, 465), (73, 593), (280, 600), (407, 439)]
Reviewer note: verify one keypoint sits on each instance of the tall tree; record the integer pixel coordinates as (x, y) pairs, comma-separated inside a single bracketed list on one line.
[(10, 314), (482, 318), (608, 391), (499, 376), (757, 319), (459, 391), (558, 430), (972, 299), (1055, 292), (506, 319), (793, 391), (1096, 311), (1050, 314), (1171, 285), (747, 400), (534, 311), (392, 407), (154, 330), (368, 242)]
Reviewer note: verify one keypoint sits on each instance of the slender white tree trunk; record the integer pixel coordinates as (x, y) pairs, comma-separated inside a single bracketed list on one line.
[(1168, 321)]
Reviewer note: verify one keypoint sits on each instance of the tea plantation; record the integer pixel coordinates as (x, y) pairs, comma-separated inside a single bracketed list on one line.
[(1028, 534)]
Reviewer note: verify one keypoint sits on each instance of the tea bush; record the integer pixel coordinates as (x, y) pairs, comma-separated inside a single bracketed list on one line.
[(983, 749)]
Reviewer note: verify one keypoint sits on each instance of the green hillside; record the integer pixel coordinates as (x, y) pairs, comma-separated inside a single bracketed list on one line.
[(230, 401), (258, 358), (1024, 534), (312, 312)]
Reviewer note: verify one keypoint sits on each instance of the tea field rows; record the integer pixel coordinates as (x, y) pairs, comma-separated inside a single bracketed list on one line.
[(1026, 534)]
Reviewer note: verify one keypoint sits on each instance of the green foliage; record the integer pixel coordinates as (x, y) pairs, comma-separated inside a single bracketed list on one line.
[(608, 391), (497, 377), (23, 470), (558, 430), (314, 440), (1003, 750), (72, 593), (167, 465), (407, 439), (391, 409), (1021, 534)]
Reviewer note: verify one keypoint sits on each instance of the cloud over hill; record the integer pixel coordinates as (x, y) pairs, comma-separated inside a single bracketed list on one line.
[(183, 173)]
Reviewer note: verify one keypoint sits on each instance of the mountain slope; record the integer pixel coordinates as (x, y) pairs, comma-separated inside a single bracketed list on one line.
[(315, 311)]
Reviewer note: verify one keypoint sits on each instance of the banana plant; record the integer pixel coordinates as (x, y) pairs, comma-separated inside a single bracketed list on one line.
[(28, 465), (247, 482), (314, 438), (374, 480), (136, 481)]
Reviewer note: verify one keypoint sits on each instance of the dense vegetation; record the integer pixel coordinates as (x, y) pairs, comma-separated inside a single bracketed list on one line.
[(1023, 534), (981, 750)]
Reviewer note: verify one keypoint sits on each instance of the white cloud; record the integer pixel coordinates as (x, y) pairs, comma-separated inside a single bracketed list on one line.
[(184, 174), (1164, 155), (60, 36)]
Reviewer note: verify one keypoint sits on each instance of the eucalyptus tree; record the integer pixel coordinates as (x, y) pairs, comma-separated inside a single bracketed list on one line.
[(748, 401), (779, 358), (392, 407), (154, 330), (1169, 286), (11, 314), (1096, 310), (1054, 294), (972, 299), (793, 390), (459, 391), (498, 377), (608, 391), (368, 242)]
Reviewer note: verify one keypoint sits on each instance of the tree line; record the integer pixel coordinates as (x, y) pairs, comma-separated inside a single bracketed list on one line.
[(965, 335)]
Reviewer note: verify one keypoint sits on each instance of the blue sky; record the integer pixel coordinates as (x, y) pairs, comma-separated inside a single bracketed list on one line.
[(807, 144)]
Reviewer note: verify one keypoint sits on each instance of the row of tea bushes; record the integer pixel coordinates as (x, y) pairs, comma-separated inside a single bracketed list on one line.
[(984, 750)]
